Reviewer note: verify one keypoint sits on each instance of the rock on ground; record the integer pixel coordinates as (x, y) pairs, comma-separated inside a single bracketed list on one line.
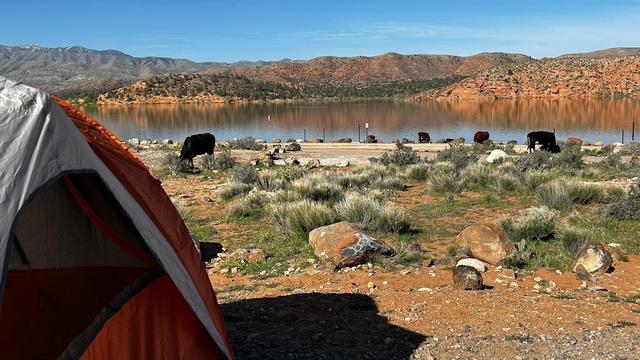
[(344, 244), (593, 257), (495, 155), (486, 242), (474, 263), (467, 278)]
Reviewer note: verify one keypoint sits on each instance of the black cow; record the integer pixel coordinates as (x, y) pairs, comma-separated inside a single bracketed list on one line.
[(371, 139), (480, 137), (195, 145), (424, 138), (546, 139)]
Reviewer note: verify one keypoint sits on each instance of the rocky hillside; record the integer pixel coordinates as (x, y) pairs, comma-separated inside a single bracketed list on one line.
[(226, 86), (387, 67), (78, 69), (565, 77)]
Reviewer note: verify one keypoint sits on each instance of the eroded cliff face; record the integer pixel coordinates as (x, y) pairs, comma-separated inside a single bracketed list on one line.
[(548, 79)]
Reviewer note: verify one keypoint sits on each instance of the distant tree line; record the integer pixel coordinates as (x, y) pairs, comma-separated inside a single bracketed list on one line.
[(238, 87)]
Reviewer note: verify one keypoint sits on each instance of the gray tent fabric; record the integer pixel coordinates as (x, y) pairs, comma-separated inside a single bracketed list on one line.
[(38, 143)]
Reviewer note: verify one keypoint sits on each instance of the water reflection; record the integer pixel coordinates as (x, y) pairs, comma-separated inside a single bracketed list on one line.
[(589, 119)]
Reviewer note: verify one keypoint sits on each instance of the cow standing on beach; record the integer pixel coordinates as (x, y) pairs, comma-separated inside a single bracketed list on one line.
[(424, 138), (546, 139), (480, 137), (197, 144)]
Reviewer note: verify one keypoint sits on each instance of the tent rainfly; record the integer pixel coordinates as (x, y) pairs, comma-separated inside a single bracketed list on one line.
[(95, 261)]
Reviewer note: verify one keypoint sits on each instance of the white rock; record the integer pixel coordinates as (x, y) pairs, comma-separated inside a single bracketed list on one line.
[(428, 290), (474, 263), (343, 163), (495, 155), (134, 141)]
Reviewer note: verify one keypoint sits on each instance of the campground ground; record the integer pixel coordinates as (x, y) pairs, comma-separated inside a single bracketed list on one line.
[(407, 310)]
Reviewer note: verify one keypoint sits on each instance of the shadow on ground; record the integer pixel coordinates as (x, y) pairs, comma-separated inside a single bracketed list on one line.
[(315, 326)]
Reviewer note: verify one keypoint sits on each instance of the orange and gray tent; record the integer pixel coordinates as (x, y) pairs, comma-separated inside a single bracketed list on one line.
[(95, 260)]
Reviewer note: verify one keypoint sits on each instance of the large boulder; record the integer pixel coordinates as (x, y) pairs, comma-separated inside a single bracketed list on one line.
[(496, 155), (343, 244), (486, 242), (592, 258), (467, 278)]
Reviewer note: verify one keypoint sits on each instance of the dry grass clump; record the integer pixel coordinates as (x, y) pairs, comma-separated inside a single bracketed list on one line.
[(537, 223), (373, 214), (252, 205), (301, 216), (234, 189)]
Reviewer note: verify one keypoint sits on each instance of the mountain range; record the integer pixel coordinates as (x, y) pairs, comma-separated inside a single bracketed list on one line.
[(75, 71)]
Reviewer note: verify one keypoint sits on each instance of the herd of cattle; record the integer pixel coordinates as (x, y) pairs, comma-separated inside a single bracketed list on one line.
[(200, 144)]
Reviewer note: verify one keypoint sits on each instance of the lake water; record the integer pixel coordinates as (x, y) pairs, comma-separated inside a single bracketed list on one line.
[(589, 120)]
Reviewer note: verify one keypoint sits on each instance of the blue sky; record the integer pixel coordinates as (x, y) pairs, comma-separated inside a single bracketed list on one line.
[(270, 30)]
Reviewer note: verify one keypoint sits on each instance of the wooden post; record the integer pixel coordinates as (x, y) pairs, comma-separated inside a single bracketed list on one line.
[(323, 139), (623, 136), (359, 134), (633, 131), (304, 135)]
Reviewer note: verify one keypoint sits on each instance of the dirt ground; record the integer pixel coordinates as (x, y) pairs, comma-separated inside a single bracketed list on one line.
[(411, 313)]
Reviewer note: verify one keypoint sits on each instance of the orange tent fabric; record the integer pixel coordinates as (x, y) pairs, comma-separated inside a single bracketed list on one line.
[(96, 262)]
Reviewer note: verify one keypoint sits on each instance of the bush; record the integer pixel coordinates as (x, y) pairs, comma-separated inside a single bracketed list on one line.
[(570, 158), (373, 214), (234, 189), (418, 172), (445, 181), (286, 196), (402, 155), (223, 161), (388, 183), (611, 161), (248, 143), (270, 181), (536, 178), (251, 205), (554, 195), (632, 148), (540, 254), (477, 177), (459, 156), (627, 208), (537, 223), (174, 163), (301, 216), (291, 173), (319, 187), (536, 161), (584, 194), (504, 183), (574, 239), (244, 174)]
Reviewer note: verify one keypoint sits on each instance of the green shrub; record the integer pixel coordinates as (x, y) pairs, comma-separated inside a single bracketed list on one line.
[(319, 187), (611, 161), (270, 180), (539, 254), (570, 158), (627, 208), (388, 183), (301, 216), (477, 177), (252, 205), (445, 181), (248, 143), (372, 214), (418, 172), (538, 160), (536, 178), (291, 173), (402, 155), (224, 160), (244, 174), (286, 196), (174, 163), (584, 194), (234, 189), (632, 149), (574, 239), (554, 195), (537, 223), (459, 156), (504, 183)]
